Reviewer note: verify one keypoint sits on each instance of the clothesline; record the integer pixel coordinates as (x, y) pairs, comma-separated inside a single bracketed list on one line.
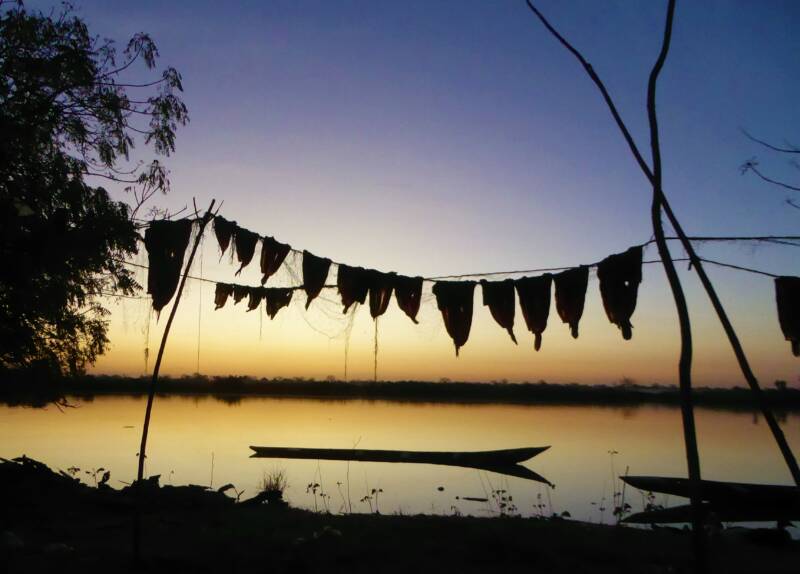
[(619, 277), (204, 279), (231, 228), (768, 239), (787, 240), (739, 268), (486, 274), (779, 240)]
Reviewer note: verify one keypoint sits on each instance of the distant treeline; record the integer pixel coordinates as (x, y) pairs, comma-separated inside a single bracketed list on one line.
[(231, 388)]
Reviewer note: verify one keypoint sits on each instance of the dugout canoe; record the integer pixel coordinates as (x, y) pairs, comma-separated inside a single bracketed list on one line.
[(741, 513), (720, 492), (501, 461), (476, 458)]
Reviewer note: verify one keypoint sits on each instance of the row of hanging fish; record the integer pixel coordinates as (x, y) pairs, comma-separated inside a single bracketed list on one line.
[(787, 296), (355, 285), (619, 276), (245, 241)]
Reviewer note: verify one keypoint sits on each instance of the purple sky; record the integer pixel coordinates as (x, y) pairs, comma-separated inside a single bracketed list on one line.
[(435, 137)]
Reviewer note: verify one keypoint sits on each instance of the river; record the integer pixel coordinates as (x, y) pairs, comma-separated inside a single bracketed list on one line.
[(202, 440)]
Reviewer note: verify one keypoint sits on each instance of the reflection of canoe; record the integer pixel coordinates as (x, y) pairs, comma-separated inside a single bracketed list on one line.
[(502, 461), (729, 501)]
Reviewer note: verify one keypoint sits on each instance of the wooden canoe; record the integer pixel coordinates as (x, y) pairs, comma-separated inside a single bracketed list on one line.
[(723, 492), (500, 461), (741, 513), (727, 501), (477, 458)]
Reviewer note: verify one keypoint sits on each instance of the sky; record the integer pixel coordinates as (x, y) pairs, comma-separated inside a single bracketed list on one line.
[(435, 138)]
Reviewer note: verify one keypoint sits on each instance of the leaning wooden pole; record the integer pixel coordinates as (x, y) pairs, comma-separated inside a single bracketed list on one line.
[(730, 332), (738, 350), (151, 393)]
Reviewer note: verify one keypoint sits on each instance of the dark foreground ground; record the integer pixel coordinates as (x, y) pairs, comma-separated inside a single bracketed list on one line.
[(51, 523)]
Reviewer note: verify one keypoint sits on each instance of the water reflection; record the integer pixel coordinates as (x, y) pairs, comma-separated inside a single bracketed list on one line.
[(187, 433)]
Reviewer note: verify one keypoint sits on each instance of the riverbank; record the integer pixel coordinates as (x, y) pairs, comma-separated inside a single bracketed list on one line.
[(30, 390), (51, 522)]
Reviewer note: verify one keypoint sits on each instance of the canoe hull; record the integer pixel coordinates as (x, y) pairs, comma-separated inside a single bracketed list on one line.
[(683, 514), (499, 461), (711, 490), (477, 458), (727, 501)]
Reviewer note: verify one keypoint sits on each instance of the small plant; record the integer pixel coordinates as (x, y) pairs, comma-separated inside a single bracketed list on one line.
[(619, 507), (504, 502), (274, 481), (376, 493), (650, 503), (312, 488), (539, 506), (315, 488), (325, 497), (621, 511), (271, 489), (373, 497), (95, 473)]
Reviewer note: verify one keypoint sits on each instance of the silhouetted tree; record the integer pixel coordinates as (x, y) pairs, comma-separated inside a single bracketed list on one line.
[(68, 119)]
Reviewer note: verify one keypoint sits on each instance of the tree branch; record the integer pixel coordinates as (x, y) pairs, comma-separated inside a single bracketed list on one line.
[(769, 145), (751, 166), (601, 86), (147, 85)]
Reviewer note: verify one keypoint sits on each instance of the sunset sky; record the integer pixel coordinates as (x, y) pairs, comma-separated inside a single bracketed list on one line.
[(437, 138)]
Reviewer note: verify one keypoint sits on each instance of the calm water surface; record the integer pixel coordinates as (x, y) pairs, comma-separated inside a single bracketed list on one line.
[(188, 433)]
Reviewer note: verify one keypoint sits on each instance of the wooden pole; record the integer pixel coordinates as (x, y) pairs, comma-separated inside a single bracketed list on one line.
[(685, 361), (685, 358), (696, 262), (152, 390), (738, 351)]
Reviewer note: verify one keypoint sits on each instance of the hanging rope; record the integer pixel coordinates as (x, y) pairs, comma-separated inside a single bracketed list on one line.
[(375, 354), (480, 274), (147, 339), (200, 305), (738, 267)]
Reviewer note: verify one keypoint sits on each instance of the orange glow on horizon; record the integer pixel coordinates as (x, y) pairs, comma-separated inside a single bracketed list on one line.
[(301, 343)]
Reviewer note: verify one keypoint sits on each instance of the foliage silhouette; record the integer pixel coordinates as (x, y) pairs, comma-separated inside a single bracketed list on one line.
[(69, 118)]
